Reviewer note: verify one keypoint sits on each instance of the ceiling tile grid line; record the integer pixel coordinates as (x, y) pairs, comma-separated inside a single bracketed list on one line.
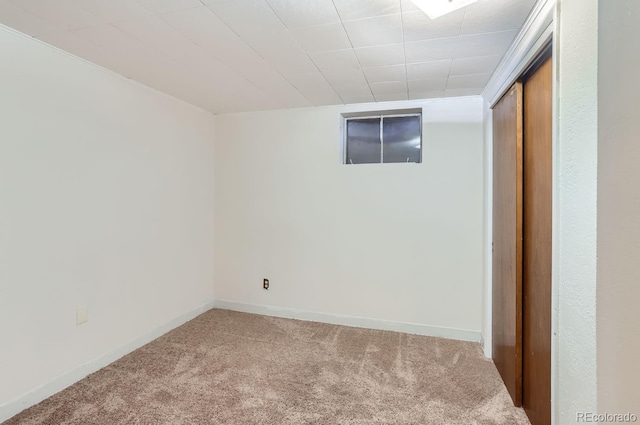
[(29, 12), (306, 53), (122, 71), (148, 55), (248, 81), (20, 19), (456, 48), (353, 48), (113, 15), (236, 55), (404, 51), (200, 60), (258, 54)]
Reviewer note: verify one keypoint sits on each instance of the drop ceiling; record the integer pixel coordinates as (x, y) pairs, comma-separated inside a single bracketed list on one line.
[(245, 55)]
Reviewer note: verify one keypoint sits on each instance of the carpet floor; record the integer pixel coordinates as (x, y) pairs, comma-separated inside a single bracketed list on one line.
[(226, 367)]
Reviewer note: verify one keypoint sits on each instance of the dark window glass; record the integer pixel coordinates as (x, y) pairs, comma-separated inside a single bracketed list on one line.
[(401, 139), (363, 141)]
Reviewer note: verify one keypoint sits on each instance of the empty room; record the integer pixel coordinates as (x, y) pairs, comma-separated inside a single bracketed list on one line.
[(319, 212)]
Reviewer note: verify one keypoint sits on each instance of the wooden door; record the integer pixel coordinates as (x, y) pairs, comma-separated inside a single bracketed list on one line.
[(507, 240), (536, 279)]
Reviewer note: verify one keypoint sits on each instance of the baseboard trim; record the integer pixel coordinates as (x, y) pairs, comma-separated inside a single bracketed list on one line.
[(486, 346), (12, 408), (355, 321)]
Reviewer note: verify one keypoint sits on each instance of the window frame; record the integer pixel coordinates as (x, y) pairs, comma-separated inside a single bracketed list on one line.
[(346, 117)]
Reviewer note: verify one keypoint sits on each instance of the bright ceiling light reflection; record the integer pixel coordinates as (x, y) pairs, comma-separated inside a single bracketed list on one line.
[(436, 8)]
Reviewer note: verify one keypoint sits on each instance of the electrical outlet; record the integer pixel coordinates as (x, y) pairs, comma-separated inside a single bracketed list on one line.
[(82, 315), (265, 283)]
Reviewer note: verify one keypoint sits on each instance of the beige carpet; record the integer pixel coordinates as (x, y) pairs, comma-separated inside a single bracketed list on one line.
[(234, 368)]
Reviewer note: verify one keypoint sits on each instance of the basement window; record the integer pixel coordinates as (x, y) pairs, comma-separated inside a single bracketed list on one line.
[(383, 137)]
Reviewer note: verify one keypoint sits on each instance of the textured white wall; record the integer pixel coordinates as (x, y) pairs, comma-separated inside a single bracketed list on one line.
[(618, 207), (392, 242), (575, 210), (106, 201)]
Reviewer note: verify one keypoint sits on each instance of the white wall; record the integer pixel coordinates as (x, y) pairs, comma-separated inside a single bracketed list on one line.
[(392, 243), (106, 201), (618, 208), (575, 210), (487, 293)]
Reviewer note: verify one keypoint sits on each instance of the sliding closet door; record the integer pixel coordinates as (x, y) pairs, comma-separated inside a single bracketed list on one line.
[(507, 240), (536, 279)]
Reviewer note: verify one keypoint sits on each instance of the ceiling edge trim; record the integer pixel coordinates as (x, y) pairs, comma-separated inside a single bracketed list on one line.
[(536, 32)]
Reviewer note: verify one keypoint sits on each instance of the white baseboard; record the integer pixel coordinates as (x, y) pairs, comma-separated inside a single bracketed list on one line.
[(486, 346), (358, 322), (31, 398), (35, 396)]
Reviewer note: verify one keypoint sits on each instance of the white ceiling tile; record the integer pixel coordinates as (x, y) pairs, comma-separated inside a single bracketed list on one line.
[(425, 94), (240, 55), (495, 15), (315, 88), (418, 26), (350, 92), (391, 54), (114, 10), (63, 13), (408, 6), (283, 92), (432, 69), (201, 18), (385, 29), (468, 81), (72, 43), (296, 13), (263, 76), (248, 16), (282, 51), (208, 2), (336, 61), (391, 97), (462, 92), (349, 84), (135, 60), (427, 84), (163, 6), (160, 36), (430, 50), (322, 38), (228, 96), (353, 77), (111, 38), (358, 9), (385, 73), (18, 18), (205, 29), (363, 98), (129, 56), (487, 44), (388, 87), (475, 65), (214, 84)]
